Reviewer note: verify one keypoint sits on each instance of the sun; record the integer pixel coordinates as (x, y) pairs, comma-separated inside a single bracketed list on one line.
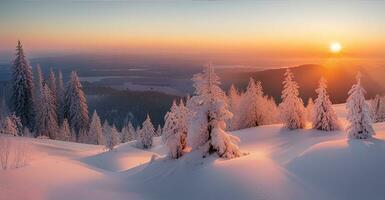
[(335, 47)]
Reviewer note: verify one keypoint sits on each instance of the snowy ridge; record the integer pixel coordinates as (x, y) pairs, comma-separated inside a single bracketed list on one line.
[(281, 164)]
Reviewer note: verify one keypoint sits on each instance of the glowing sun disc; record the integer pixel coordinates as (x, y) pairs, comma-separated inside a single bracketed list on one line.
[(335, 47)]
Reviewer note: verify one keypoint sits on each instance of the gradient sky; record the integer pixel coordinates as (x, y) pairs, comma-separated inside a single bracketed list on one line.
[(227, 30)]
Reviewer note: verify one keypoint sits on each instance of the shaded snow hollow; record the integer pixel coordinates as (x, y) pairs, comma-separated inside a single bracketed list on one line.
[(281, 164)]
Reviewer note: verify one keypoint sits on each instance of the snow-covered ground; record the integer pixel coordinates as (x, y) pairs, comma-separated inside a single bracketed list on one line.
[(281, 164)]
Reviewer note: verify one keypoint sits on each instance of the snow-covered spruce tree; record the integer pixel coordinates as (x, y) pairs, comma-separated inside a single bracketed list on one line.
[(9, 128), (95, 133), (46, 119), (128, 133), (309, 109), (17, 122), (323, 115), (106, 132), (114, 138), (125, 135), (22, 102), (377, 109), (158, 131), (132, 130), (270, 111), (76, 109), (234, 104), (65, 131), (252, 105), (39, 80), (146, 134), (60, 97), (360, 124), (175, 130), (52, 84), (206, 129), (293, 113)]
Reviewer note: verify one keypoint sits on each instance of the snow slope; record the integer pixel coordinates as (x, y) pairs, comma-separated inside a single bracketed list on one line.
[(281, 164)]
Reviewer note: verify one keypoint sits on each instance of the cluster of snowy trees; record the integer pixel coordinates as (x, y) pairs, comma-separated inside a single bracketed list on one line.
[(45, 107), (42, 105), (251, 108), (202, 124)]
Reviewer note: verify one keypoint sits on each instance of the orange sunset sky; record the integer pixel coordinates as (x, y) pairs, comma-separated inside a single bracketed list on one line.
[(229, 31)]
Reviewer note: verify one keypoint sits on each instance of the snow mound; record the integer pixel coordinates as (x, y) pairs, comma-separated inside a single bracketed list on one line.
[(122, 157), (347, 169), (254, 176)]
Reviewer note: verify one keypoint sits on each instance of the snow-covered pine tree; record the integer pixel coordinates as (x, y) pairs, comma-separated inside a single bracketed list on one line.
[(293, 113), (65, 131), (95, 133), (132, 131), (234, 105), (17, 122), (39, 80), (323, 115), (9, 127), (22, 102), (106, 132), (46, 119), (125, 135), (175, 130), (146, 133), (158, 131), (60, 96), (76, 109), (137, 132), (52, 84), (114, 138), (252, 105), (206, 129), (309, 109), (377, 109), (128, 133), (360, 124), (270, 111)]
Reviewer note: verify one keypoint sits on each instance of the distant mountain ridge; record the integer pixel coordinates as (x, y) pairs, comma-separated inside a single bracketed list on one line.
[(340, 80)]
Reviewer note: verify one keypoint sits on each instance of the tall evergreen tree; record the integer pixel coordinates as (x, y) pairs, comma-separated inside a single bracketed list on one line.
[(52, 85), (360, 124), (114, 138), (146, 133), (106, 132), (76, 109), (324, 117), (252, 105), (234, 107), (60, 96), (209, 113), (22, 88), (377, 108), (175, 130), (95, 134), (292, 109), (65, 131), (158, 131), (46, 120), (39, 80)]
